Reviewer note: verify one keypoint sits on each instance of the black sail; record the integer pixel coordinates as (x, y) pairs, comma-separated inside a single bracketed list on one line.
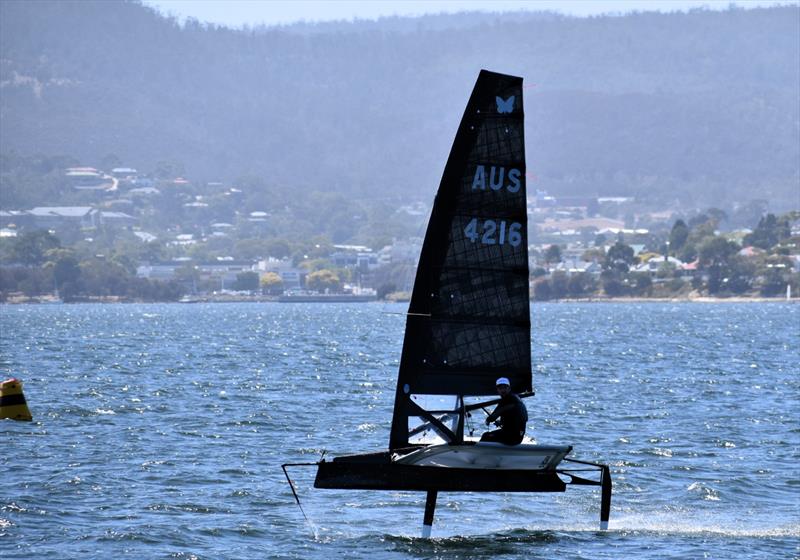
[(469, 317)]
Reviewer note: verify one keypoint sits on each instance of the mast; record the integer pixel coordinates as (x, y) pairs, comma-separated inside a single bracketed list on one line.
[(469, 316)]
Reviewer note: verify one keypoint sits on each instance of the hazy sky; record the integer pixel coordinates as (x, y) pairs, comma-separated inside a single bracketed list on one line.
[(236, 13)]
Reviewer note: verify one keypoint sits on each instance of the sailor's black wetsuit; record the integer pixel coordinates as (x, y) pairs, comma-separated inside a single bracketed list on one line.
[(513, 419)]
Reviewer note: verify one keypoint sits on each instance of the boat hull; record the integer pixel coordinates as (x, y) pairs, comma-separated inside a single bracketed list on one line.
[(487, 455), (383, 471)]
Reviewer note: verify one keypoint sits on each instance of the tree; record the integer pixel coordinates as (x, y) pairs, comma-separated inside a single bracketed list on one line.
[(613, 286), (246, 282), (581, 284), (740, 274), (716, 251), (729, 273), (251, 248), (558, 284), (271, 283), (31, 247), (717, 216), (641, 284), (769, 232), (277, 248), (66, 271), (553, 254), (773, 282), (151, 252), (698, 220), (595, 254), (619, 258), (666, 270), (674, 284), (30, 281), (718, 257), (323, 281), (314, 265), (386, 289), (678, 236), (100, 277), (187, 275), (689, 253), (541, 290)]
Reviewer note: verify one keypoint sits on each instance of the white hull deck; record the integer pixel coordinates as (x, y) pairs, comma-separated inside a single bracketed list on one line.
[(487, 455)]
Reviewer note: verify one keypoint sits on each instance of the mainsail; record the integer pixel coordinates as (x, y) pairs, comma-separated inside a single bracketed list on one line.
[(468, 323), (469, 317)]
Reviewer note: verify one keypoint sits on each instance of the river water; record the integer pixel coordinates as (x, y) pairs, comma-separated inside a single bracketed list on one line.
[(159, 431)]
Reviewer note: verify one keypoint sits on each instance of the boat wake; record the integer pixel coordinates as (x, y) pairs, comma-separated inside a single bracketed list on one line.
[(632, 536), (669, 524), (626, 527)]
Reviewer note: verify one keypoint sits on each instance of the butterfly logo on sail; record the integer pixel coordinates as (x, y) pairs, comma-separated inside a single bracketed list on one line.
[(505, 105)]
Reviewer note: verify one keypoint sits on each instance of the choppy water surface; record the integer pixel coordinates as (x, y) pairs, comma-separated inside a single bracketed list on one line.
[(159, 431)]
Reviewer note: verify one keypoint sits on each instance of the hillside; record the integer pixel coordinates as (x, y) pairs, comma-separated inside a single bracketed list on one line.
[(682, 110)]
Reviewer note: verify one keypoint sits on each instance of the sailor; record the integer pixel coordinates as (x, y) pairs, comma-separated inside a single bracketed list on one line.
[(512, 416)]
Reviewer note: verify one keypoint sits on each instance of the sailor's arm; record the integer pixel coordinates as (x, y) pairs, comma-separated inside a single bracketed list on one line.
[(499, 411)]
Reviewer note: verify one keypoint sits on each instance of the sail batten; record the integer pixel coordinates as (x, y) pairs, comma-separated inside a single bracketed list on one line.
[(469, 316)]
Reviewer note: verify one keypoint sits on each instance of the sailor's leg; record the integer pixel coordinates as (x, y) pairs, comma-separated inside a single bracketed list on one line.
[(511, 437), (494, 435), (427, 520)]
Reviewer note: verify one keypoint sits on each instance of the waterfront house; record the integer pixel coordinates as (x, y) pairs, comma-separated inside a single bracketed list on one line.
[(654, 264)]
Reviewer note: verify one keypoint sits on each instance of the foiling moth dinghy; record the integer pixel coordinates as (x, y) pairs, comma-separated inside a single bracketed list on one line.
[(468, 323)]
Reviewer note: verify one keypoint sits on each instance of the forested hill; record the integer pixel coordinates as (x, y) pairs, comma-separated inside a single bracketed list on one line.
[(693, 108)]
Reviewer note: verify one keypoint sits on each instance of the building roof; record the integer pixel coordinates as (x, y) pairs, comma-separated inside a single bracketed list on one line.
[(691, 266), (62, 211), (653, 264), (144, 236), (81, 169), (106, 214), (751, 251), (673, 260), (144, 190), (577, 224), (357, 248)]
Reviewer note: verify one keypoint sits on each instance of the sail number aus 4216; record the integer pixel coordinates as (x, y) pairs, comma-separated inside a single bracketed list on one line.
[(494, 232)]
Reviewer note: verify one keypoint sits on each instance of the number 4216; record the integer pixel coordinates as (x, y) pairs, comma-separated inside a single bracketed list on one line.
[(491, 232)]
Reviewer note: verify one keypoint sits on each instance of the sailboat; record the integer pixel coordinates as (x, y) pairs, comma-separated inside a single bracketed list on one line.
[(468, 323)]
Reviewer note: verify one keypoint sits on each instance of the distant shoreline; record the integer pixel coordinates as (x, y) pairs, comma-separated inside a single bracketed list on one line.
[(696, 299), (272, 299)]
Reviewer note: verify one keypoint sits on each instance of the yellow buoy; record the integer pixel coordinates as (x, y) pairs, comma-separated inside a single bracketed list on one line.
[(12, 401)]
